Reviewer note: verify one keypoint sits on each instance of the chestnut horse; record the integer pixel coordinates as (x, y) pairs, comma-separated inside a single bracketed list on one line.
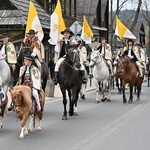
[(24, 107), (129, 74)]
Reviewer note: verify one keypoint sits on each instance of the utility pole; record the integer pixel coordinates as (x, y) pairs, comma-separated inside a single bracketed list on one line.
[(111, 23)]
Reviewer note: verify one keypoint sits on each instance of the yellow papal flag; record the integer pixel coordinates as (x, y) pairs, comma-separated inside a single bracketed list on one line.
[(33, 22), (87, 33), (123, 31), (57, 24)]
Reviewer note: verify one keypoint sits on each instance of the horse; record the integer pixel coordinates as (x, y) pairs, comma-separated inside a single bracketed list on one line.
[(148, 72), (5, 75), (100, 74), (25, 50), (69, 79), (25, 107), (129, 73)]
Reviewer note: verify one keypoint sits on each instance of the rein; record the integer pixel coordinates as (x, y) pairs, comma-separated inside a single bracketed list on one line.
[(69, 65)]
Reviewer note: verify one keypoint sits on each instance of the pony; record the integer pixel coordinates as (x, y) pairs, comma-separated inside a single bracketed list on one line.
[(25, 107), (69, 79), (129, 74), (5, 75), (25, 50), (100, 74)]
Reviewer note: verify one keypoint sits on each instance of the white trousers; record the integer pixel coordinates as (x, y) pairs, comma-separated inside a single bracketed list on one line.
[(36, 96), (60, 60), (38, 63)]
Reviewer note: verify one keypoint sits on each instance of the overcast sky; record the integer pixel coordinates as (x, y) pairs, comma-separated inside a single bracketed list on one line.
[(128, 5)]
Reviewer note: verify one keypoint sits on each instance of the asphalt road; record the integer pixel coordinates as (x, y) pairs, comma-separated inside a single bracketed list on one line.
[(104, 126)]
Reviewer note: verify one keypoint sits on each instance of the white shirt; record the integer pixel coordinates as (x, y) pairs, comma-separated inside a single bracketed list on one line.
[(2, 51), (129, 52), (103, 50)]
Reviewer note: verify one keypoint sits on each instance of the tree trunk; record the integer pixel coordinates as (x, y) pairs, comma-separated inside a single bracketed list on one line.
[(136, 16)]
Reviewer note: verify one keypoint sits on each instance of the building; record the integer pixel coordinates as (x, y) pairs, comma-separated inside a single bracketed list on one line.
[(13, 16)]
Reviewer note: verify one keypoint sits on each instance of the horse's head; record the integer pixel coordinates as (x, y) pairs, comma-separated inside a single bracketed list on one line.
[(72, 58), (95, 58), (121, 65), (17, 98)]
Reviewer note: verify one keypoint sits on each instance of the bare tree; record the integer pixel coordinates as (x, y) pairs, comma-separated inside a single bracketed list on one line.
[(136, 15), (146, 16)]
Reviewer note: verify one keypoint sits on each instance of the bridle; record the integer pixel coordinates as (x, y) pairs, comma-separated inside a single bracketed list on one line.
[(75, 54), (95, 61)]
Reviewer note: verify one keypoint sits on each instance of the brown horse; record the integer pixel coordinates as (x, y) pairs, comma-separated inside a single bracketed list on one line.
[(129, 73), (3, 104), (24, 107)]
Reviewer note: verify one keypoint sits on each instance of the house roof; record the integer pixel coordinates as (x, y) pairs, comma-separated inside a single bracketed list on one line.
[(18, 12), (87, 8), (139, 27)]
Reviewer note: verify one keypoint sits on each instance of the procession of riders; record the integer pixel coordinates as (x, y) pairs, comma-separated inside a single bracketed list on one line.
[(30, 74)]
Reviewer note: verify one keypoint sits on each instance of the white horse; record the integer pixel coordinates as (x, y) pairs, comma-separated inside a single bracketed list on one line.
[(83, 60), (100, 74), (4, 83)]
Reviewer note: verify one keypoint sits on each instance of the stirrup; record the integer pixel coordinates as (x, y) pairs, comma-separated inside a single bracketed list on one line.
[(84, 79), (55, 80)]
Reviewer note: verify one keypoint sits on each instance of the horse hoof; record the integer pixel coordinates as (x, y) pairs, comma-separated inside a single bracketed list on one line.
[(138, 99), (30, 129), (97, 101), (26, 133), (75, 114), (39, 128), (21, 137), (130, 101), (103, 100), (108, 100), (83, 97), (64, 118), (124, 101)]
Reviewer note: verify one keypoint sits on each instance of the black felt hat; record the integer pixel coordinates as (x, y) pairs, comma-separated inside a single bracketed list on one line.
[(28, 57), (31, 32), (67, 31), (5, 35)]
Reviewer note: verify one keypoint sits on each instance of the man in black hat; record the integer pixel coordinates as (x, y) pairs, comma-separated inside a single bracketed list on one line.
[(133, 54), (30, 75), (105, 51), (67, 40), (36, 46), (142, 54), (8, 51)]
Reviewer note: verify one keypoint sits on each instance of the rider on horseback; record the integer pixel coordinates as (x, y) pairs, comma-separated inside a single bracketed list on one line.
[(30, 75), (141, 54), (8, 51), (105, 51), (36, 46), (66, 41), (133, 53)]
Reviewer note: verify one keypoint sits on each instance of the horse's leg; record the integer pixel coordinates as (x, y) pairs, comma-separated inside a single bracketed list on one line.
[(64, 103), (148, 79), (109, 90), (82, 91), (23, 123), (97, 90), (30, 127), (75, 105), (40, 116), (131, 94), (123, 92), (25, 131), (72, 103), (1, 123)]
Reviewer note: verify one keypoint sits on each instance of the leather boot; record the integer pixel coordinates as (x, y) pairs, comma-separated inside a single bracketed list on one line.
[(55, 78), (84, 79)]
